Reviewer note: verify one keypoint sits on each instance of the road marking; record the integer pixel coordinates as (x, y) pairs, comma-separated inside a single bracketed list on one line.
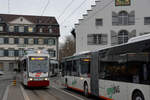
[(6, 93), (24, 93), (68, 93)]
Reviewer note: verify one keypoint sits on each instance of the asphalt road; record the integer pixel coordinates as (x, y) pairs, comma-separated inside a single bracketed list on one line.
[(55, 92)]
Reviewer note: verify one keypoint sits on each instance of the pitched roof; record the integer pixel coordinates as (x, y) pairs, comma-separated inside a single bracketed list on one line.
[(34, 19)]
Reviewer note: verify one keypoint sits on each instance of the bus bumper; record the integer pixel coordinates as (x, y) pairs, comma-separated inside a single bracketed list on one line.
[(38, 83)]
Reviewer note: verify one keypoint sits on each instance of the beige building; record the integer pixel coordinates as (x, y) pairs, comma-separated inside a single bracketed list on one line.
[(21, 32)]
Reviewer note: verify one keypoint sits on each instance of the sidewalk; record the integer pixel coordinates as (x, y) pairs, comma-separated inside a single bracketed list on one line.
[(15, 93)]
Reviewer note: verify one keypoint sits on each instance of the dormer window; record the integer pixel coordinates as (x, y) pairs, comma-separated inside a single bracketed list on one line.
[(50, 29), (1, 28), (0, 19), (41, 30)]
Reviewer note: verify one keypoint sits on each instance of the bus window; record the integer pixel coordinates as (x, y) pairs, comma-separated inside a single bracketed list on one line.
[(85, 67), (68, 67), (75, 69), (138, 67)]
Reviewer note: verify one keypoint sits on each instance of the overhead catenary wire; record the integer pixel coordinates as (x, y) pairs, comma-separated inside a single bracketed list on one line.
[(45, 7), (73, 12), (69, 4)]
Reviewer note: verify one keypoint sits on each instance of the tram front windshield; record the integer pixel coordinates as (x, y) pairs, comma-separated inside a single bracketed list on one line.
[(38, 64)]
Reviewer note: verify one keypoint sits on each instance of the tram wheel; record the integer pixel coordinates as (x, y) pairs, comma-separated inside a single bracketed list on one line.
[(137, 95)]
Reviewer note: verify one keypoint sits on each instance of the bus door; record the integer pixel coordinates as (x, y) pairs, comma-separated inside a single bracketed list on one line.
[(94, 74)]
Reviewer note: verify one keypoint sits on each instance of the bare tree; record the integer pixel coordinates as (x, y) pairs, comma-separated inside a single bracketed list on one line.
[(68, 48)]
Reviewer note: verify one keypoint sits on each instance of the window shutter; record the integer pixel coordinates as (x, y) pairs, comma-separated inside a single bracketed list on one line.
[(115, 20), (131, 18), (114, 38), (90, 39)]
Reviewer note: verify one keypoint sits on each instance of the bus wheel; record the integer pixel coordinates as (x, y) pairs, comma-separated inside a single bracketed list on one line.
[(137, 95), (86, 90)]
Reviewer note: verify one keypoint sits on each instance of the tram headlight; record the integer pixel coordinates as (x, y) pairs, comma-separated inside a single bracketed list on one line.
[(45, 78), (30, 79)]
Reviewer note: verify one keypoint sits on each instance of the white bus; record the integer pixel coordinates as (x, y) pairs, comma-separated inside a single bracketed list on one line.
[(117, 73), (35, 68), (53, 67)]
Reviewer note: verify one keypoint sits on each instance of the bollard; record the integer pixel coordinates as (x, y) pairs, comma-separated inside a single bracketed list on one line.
[(14, 82)]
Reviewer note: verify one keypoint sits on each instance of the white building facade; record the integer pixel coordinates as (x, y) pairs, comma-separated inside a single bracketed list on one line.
[(21, 32), (112, 22)]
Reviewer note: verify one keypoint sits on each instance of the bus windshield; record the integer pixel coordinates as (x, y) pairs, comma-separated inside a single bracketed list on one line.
[(38, 64)]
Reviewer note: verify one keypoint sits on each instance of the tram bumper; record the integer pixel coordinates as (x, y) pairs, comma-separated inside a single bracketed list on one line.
[(38, 83)]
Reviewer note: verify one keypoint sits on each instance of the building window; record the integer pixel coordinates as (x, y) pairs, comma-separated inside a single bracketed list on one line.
[(95, 39), (46, 41), (16, 28), (52, 53), (1, 28), (1, 52), (30, 29), (50, 29), (21, 19), (51, 41), (26, 40), (123, 18), (25, 28), (11, 53), (36, 41), (5, 52), (147, 21), (21, 52), (1, 19), (16, 40), (30, 41), (99, 22), (123, 36), (11, 28), (1, 40), (6, 40), (11, 40), (41, 30), (16, 53), (21, 28)]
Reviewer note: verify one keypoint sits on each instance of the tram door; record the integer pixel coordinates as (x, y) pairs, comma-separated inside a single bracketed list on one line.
[(94, 74)]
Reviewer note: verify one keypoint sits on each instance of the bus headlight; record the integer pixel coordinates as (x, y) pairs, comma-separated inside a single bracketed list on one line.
[(45, 78), (30, 79)]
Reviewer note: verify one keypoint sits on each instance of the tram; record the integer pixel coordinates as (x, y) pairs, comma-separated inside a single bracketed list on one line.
[(34, 67)]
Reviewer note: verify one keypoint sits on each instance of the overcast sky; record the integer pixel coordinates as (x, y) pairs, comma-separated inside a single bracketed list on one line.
[(54, 8)]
